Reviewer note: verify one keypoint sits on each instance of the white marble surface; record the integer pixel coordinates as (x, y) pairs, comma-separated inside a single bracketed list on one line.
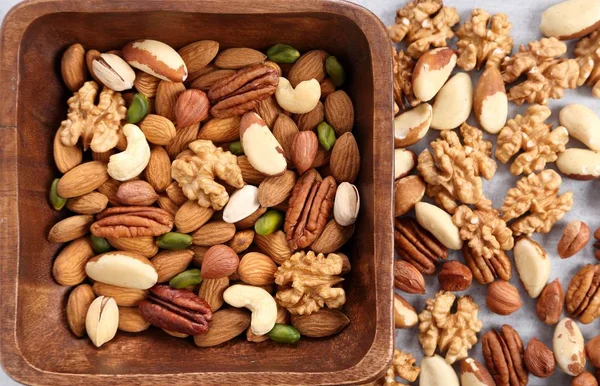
[(525, 18)]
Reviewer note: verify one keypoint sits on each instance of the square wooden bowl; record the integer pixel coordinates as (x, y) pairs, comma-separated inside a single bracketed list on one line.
[(36, 344)]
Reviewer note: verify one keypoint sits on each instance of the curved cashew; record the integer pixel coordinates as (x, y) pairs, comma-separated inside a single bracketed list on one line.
[(300, 100), (131, 162), (258, 301)]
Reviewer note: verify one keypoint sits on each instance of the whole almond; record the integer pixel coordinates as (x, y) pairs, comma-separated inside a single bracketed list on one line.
[(584, 379), (206, 79), (405, 315), (212, 290), (158, 129), (269, 110), (257, 269), (131, 320), (310, 120), (69, 265), (311, 65), (225, 325), (124, 297), (136, 192), (325, 322), (145, 246), (345, 159), (455, 276), (241, 240), (322, 159), (191, 107), (250, 175), (408, 191), (70, 228), (550, 303), (65, 157), (333, 237), (592, 349), (169, 264), (213, 233), (90, 203), (192, 216), (158, 171), (503, 298), (275, 190), (327, 87), (165, 202), (490, 102), (176, 194), (339, 112), (166, 97), (146, 84), (82, 179), (182, 139), (285, 131), (77, 306), (197, 56), (274, 245), (73, 67), (304, 150), (574, 238), (109, 188), (249, 221), (219, 261), (221, 129), (236, 58), (407, 278), (539, 359)]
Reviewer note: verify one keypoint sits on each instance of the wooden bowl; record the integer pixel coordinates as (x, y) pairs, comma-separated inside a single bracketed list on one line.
[(36, 344)]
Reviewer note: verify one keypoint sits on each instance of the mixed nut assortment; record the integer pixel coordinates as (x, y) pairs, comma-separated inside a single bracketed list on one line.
[(441, 207), (210, 192)]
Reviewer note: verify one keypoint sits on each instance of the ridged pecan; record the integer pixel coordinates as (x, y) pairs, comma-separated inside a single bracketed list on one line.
[(486, 270), (503, 353), (132, 221), (310, 207), (240, 92), (177, 310), (417, 246), (583, 297)]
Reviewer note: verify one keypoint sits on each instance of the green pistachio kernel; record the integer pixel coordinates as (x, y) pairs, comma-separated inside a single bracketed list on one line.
[(335, 70), (326, 135), (138, 108), (186, 279), (269, 222), (56, 201), (99, 244), (282, 53), (174, 240), (284, 333), (236, 148)]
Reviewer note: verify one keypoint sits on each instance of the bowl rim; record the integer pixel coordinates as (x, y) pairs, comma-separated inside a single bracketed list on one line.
[(19, 18)]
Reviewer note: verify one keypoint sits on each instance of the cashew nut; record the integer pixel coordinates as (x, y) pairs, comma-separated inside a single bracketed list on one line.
[(302, 99), (131, 162), (258, 301)]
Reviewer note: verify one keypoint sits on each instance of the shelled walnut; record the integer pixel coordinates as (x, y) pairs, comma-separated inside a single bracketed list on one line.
[(587, 55), (403, 66)]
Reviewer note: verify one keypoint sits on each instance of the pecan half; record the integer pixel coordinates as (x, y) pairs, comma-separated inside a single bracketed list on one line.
[(132, 221), (310, 207), (178, 310), (486, 270), (583, 297), (240, 92), (417, 246), (503, 353)]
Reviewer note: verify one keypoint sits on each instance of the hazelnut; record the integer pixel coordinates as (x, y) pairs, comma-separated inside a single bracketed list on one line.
[(592, 349), (575, 236), (455, 276), (584, 379), (539, 359), (503, 298)]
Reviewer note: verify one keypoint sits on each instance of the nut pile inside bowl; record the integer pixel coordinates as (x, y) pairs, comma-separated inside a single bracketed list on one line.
[(207, 192)]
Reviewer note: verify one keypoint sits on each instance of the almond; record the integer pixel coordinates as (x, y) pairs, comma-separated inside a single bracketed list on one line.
[(136, 192), (241, 240), (182, 139), (176, 194), (453, 103), (273, 191), (69, 265), (70, 228), (325, 322), (405, 161), (407, 278), (191, 107), (207, 78), (104, 156), (109, 188), (269, 110), (158, 130), (584, 379), (550, 303), (90, 203), (213, 233), (131, 320), (490, 102), (166, 97), (146, 84), (198, 55), (405, 315), (304, 150), (221, 129), (165, 202), (65, 157), (408, 191), (73, 67), (311, 65), (333, 237), (339, 112), (236, 58), (345, 159), (225, 325), (82, 179), (327, 87), (249, 221), (169, 264), (212, 290), (250, 175), (592, 349), (322, 159), (503, 298), (256, 269), (191, 216), (412, 125), (310, 120), (77, 306), (219, 261), (539, 359), (145, 245), (158, 171), (431, 71), (473, 373), (124, 297), (455, 276), (574, 237), (274, 245), (285, 131)]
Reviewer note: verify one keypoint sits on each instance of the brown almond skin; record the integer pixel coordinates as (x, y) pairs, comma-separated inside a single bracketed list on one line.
[(219, 261), (584, 379), (79, 301), (539, 359), (592, 348), (574, 238), (73, 67), (136, 192), (503, 298), (550, 303), (455, 276), (407, 278)]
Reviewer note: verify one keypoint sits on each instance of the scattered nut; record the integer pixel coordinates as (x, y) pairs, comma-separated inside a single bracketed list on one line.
[(412, 125), (571, 19), (550, 303), (490, 102), (574, 238), (455, 276), (408, 191), (579, 164), (569, 349), (592, 348), (533, 265), (405, 315), (440, 224), (582, 123), (473, 373), (404, 162), (453, 103), (539, 359), (584, 379), (431, 71), (407, 278), (503, 298)]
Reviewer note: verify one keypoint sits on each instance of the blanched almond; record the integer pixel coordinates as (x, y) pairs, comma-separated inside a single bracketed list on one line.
[(490, 102), (431, 72), (411, 126), (579, 164), (582, 124), (453, 103)]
